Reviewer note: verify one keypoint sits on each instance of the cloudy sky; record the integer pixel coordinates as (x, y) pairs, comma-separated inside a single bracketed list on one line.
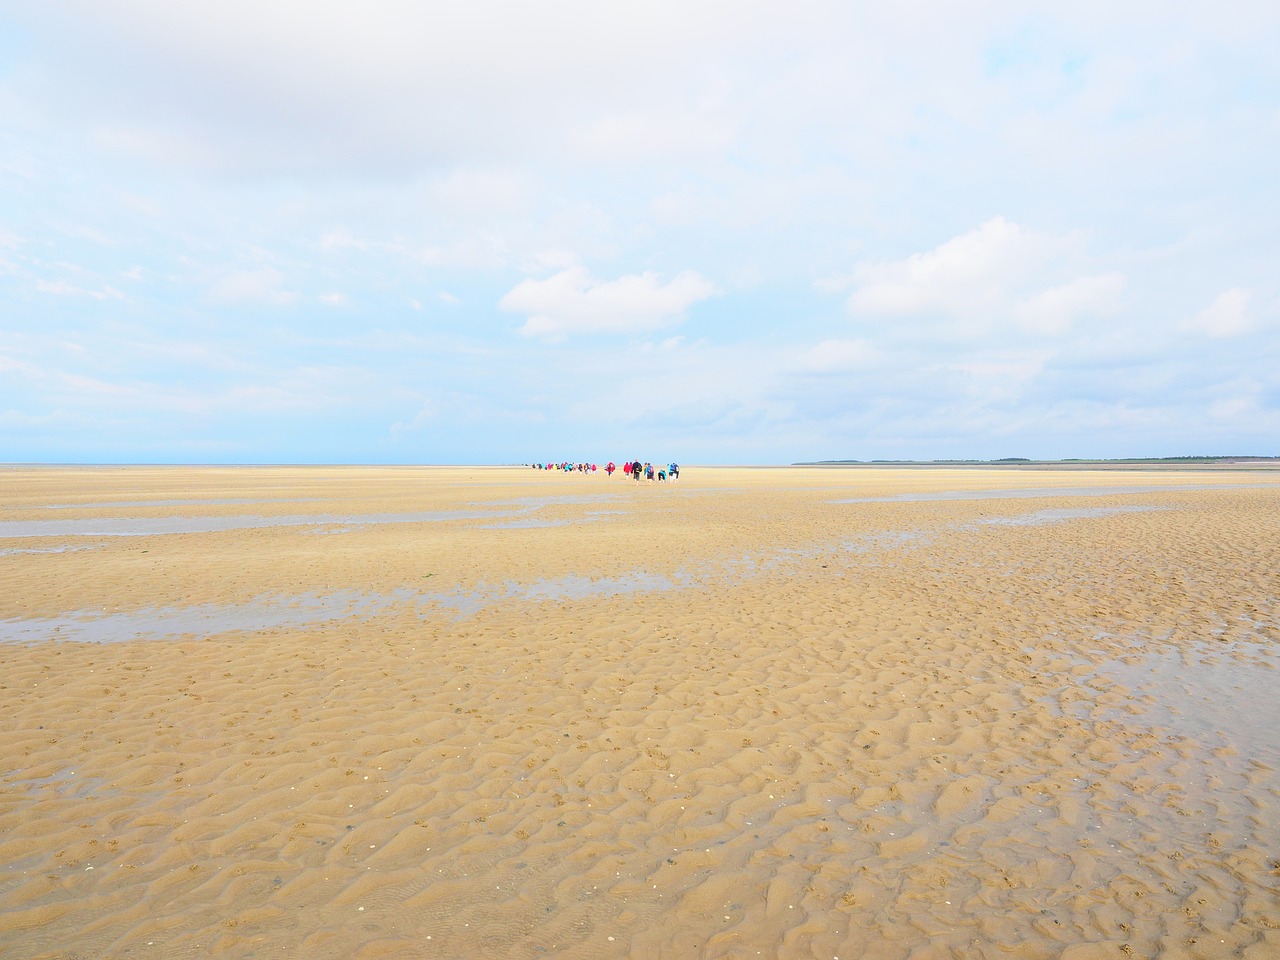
[(715, 232)]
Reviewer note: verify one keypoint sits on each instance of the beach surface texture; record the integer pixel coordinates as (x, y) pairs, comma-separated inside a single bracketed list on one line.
[(889, 713)]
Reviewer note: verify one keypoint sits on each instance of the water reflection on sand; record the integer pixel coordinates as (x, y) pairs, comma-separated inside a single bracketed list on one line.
[(132, 504), (1031, 493), (1222, 694), (314, 609), (1065, 513), (311, 609), (154, 526), (516, 513), (203, 619)]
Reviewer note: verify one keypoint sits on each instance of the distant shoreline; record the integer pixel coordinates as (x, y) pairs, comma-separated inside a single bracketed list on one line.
[(1016, 462)]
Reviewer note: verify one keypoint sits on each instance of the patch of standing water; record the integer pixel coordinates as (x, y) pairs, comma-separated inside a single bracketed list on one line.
[(151, 526), (726, 571), (1066, 513), (1035, 492), (206, 619), (65, 784), (536, 503), (890, 539), (63, 549), (515, 513), (210, 619), (531, 504), (126, 504), (311, 609), (529, 523), (466, 603), (1222, 694)]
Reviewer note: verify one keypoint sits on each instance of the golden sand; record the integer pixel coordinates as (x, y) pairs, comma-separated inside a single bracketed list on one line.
[(531, 714)]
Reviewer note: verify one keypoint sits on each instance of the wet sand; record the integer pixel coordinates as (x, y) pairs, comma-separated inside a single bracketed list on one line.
[(493, 712)]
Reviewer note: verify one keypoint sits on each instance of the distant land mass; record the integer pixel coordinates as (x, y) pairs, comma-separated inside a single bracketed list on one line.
[(1024, 461)]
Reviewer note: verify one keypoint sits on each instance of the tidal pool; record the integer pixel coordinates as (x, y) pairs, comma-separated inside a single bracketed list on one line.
[(101, 626), (510, 513), (204, 619), (1029, 493), (313, 609), (1221, 693), (129, 504), (1065, 513), (152, 526)]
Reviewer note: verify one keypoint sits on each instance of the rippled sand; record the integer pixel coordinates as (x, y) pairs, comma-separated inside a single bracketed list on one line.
[(580, 717)]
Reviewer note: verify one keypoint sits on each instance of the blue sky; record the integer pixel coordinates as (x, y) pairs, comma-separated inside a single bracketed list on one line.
[(494, 232)]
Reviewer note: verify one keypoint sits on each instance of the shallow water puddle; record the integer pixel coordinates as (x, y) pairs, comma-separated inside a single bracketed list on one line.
[(470, 602), (65, 783), (1065, 513), (516, 512), (129, 504), (207, 619), (313, 609), (152, 526), (155, 623), (566, 499), (1030, 493), (210, 619), (10, 551), (1222, 695), (530, 523)]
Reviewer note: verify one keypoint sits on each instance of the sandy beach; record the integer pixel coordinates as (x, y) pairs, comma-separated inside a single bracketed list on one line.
[(888, 713)]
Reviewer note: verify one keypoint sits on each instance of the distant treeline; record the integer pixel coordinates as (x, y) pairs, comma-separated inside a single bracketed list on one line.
[(1190, 459)]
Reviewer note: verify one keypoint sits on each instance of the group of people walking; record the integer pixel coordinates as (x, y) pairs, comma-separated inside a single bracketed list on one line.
[(634, 469), (565, 466)]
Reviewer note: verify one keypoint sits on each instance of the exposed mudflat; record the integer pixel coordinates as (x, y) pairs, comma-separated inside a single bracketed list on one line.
[(499, 713)]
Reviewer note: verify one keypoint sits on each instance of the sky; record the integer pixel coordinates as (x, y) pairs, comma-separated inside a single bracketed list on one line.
[(275, 231)]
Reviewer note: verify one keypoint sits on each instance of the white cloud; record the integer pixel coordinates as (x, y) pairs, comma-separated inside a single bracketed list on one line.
[(963, 276), (468, 192), (839, 356), (63, 289), (252, 286), (1228, 316), (697, 388), (572, 301), (999, 377), (334, 299), (641, 136), (550, 260), (1233, 408), (482, 249), (998, 278), (1054, 310), (334, 87), (10, 365), (332, 240)]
